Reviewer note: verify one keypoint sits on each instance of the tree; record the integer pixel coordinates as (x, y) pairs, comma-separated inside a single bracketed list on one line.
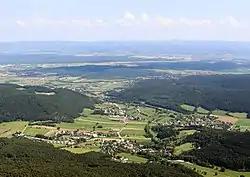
[(222, 169)]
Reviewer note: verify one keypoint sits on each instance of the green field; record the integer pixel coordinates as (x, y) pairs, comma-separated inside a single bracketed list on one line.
[(82, 150), (163, 120), (87, 123), (35, 130), (219, 112), (183, 148), (211, 172), (243, 122), (139, 139), (132, 158), (8, 128), (238, 115), (185, 133), (187, 107), (202, 110), (132, 132)]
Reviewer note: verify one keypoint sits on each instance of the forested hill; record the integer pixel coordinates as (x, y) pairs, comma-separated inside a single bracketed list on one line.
[(225, 92), (39, 103), (25, 158), (222, 148)]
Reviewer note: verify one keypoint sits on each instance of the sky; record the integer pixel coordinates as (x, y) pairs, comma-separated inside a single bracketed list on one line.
[(99, 20)]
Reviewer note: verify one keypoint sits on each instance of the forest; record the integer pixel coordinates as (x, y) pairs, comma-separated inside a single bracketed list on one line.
[(224, 92), (26, 158), (40, 103), (226, 149)]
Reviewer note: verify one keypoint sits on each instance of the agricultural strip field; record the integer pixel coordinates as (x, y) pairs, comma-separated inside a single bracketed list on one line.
[(89, 122), (36, 130), (229, 119), (8, 128)]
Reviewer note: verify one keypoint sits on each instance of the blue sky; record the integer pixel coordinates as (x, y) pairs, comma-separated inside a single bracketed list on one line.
[(124, 20)]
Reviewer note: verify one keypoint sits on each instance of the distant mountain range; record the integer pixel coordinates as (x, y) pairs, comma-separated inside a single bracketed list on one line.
[(128, 47)]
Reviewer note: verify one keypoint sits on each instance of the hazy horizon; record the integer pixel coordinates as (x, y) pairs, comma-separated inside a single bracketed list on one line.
[(112, 20)]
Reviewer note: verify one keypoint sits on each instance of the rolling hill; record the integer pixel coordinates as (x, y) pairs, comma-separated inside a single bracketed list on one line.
[(40, 103)]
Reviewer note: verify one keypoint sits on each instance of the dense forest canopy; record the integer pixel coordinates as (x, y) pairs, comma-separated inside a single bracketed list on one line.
[(39, 103), (222, 148), (25, 158), (225, 92)]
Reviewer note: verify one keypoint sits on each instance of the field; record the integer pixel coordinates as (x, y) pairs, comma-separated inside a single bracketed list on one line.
[(132, 132), (229, 119), (132, 158), (182, 148), (219, 112), (187, 107), (238, 115), (211, 172), (8, 128), (202, 110), (129, 129), (35, 130), (82, 150), (243, 122), (185, 133)]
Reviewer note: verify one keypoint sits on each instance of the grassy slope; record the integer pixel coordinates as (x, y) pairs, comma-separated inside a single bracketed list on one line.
[(211, 172), (239, 115), (182, 148), (202, 110), (82, 150), (133, 158), (187, 107)]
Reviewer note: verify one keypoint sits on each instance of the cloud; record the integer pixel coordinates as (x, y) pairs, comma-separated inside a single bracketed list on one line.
[(144, 17), (129, 16), (232, 21), (191, 22), (164, 21), (129, 20), (20, 23), (52, 22), (183, 21)]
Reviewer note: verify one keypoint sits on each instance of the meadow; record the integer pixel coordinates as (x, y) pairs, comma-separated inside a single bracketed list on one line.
[(211, 172), (9, 128), (187, 107), (132, 158), (182, 148), (35, 130)]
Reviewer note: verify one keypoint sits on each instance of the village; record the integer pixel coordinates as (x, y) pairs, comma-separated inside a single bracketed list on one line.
[(194, 120), (113, 143)]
